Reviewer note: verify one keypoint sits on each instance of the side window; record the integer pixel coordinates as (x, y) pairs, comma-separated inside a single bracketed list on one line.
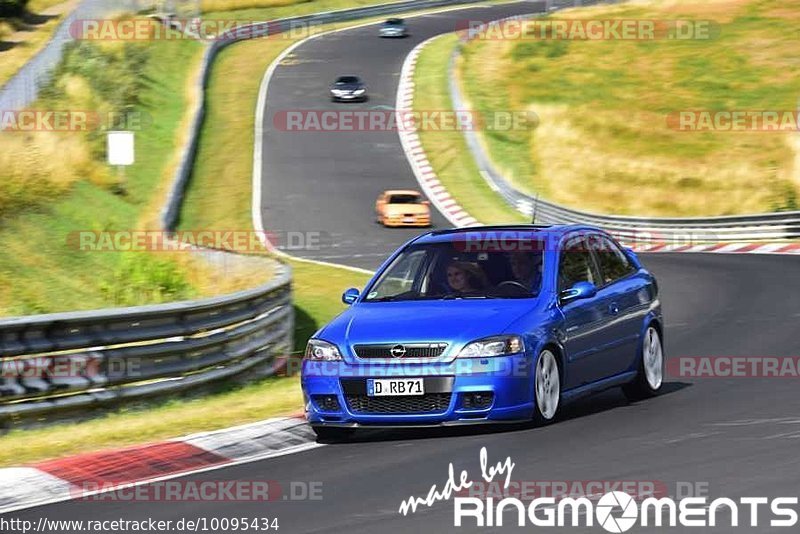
[(400, 276), (614, 264), (575, 264)]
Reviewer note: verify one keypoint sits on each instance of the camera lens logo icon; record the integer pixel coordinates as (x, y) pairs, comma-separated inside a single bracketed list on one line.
[(612, 501)]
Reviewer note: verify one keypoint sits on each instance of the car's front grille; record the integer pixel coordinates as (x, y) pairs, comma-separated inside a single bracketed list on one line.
[(400, 350), (430, 403)]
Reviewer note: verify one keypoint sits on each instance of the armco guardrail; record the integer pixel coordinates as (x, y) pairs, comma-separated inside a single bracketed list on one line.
[(80, 359), (686, 230)]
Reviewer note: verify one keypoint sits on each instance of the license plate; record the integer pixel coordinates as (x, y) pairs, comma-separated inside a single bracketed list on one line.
[(409, 219), (379, 387)]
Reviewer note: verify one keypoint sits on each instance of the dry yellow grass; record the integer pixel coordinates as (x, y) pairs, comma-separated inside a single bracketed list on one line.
[(604, 143), (5, 29), (40, 166), (647, 183)]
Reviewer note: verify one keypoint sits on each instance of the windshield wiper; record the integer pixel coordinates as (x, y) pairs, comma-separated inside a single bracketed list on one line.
[(453, 296), (387, 298)]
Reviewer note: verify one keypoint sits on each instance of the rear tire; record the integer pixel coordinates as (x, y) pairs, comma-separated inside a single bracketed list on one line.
[(547, 388), (650, 376), (333, 433)]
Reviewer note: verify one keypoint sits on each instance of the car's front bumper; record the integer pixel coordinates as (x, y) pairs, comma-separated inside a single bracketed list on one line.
[(450, 392), (349, 97), (420, 221)]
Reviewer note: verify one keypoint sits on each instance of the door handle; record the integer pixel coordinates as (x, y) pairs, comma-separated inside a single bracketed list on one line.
[(613, 308)]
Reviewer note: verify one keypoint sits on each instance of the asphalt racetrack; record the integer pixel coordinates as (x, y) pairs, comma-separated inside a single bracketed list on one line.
[(737, 437)]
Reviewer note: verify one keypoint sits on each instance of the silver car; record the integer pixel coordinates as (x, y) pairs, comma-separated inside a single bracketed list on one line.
[(393, 28)]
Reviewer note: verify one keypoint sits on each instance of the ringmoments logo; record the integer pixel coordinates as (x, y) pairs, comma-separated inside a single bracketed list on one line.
[(618, 511), (614, 511)]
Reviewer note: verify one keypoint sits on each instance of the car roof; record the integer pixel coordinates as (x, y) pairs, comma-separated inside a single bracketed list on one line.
[(401, 192), (524, 230)]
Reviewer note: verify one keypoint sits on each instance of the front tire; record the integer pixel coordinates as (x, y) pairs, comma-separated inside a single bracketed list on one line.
[(333, 433), (650, 376), (547, 383)]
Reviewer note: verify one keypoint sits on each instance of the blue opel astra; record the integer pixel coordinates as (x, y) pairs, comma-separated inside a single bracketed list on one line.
[(486, 325)]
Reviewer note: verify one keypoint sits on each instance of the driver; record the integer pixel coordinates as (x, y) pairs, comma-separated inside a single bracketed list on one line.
[(526, 268)]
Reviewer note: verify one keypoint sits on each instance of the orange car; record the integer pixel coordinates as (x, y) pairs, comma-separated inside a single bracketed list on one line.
[(403, 208)]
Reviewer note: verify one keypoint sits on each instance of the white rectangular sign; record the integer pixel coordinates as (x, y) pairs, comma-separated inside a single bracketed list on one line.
[(120, 148)]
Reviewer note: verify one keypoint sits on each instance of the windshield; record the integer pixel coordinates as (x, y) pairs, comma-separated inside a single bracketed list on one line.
[(405, 199), (393, 22), (347, 80), (442, 271)]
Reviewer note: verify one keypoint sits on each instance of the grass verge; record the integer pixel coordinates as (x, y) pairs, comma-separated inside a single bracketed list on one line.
[(604, 143), (56, 183)]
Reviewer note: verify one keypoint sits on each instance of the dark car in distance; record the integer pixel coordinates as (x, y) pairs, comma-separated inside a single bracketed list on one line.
[(348, 89)]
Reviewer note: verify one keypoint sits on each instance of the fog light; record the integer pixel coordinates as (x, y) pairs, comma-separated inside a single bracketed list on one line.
[(477, 401), (326, 403)]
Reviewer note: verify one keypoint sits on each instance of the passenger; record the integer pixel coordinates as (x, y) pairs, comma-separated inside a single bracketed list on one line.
[(465, 277)]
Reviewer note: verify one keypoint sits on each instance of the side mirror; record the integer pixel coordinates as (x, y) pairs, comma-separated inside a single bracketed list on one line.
[(350, 296), (581, 290), (426, 202)]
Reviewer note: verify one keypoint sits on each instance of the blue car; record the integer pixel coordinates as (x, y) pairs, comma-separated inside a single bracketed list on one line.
[(486, 325)]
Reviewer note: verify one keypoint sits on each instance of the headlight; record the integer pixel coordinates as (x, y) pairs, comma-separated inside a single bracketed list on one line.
[(359, 91), (319, 350), (493, 346)]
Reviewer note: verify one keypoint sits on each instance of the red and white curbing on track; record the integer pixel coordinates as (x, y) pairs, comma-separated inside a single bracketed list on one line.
[(726, 248), (458, 217), (80, 476), (415, 154)]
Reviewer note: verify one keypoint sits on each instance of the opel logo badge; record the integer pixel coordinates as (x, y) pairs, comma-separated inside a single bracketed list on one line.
[(398, 351)]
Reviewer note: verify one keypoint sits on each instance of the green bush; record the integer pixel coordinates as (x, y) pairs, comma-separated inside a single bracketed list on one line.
[(141, 278), (12, 8), (116, 77)]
